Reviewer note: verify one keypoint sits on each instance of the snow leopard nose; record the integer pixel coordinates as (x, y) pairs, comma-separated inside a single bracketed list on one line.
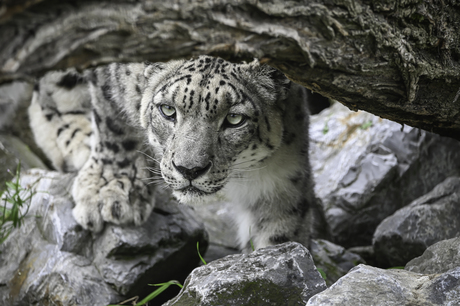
[(191, 174)]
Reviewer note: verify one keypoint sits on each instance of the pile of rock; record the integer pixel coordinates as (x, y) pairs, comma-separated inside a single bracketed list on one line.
[(51, 259), (390, 194)]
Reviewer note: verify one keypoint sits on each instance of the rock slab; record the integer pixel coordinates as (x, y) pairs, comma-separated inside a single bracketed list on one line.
[(277, 275), (429, 219), (366, 285), (438, 258)]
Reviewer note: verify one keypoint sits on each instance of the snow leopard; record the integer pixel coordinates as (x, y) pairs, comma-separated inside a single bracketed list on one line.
[(213, 130)]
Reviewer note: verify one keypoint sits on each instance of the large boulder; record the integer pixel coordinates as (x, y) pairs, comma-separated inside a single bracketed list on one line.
[(277, 275), (438, 258), (51, 259), (408, 232), (366, 168), (366, 285)]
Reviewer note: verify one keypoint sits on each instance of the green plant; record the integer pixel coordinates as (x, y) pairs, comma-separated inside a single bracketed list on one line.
[(250, 240), (323, 274), (199, 254), (326, 127), (14, 199), (163, 286), (154, 294), (366, 125)]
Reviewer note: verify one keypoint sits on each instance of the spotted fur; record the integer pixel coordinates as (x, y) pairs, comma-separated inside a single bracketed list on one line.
[(218, 130)]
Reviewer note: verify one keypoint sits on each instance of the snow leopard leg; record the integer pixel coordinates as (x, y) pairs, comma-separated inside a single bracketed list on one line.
[(264, 224), (112, 185), (60, 119)]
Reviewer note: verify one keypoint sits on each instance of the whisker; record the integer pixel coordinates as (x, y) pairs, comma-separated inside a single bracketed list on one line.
[(247, 169), (241, 183), (158, 184), (152, 169), (243, 162), (150, 157), (154, 177), (240, 179)]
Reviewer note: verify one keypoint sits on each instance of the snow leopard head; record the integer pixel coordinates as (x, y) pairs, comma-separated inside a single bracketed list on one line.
[(210, 120)]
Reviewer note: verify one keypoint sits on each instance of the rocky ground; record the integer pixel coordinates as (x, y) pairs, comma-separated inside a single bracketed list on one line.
[(391, 195)]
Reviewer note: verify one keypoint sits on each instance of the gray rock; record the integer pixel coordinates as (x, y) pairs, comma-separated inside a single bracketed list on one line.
[(50, 259), (12, 152), (438, 258), (429, 219), (366, 168), (332, 260), (365, 285), (15, 99), (278, 275)]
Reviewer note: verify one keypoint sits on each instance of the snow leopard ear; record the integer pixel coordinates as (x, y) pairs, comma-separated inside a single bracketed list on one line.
[(270, 80), (152, 68), (282, 83)]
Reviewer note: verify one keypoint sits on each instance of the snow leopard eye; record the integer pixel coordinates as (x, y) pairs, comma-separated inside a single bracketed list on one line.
[(167, 111), (234, 120)]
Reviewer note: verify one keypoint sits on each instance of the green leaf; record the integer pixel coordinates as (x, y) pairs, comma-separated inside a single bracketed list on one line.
[(198, 250), (366, 125), (323, 274), (10, 185)]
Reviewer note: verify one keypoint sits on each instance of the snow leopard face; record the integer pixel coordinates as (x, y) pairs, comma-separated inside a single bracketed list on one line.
[(209, 120)]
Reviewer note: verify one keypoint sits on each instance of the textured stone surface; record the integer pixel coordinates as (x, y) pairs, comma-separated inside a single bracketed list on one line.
[(366, 168), (398, 59), (438, 258), (366, 285), (13, 151), (429, 219), (278, 275), (50, 259), (15, 99)]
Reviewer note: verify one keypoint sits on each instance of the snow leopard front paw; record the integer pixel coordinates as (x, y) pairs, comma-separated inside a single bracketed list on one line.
[(85, 192), (119, 200), (125, 201)]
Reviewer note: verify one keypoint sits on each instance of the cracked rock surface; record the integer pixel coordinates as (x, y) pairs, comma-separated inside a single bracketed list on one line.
[(279, 275)]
